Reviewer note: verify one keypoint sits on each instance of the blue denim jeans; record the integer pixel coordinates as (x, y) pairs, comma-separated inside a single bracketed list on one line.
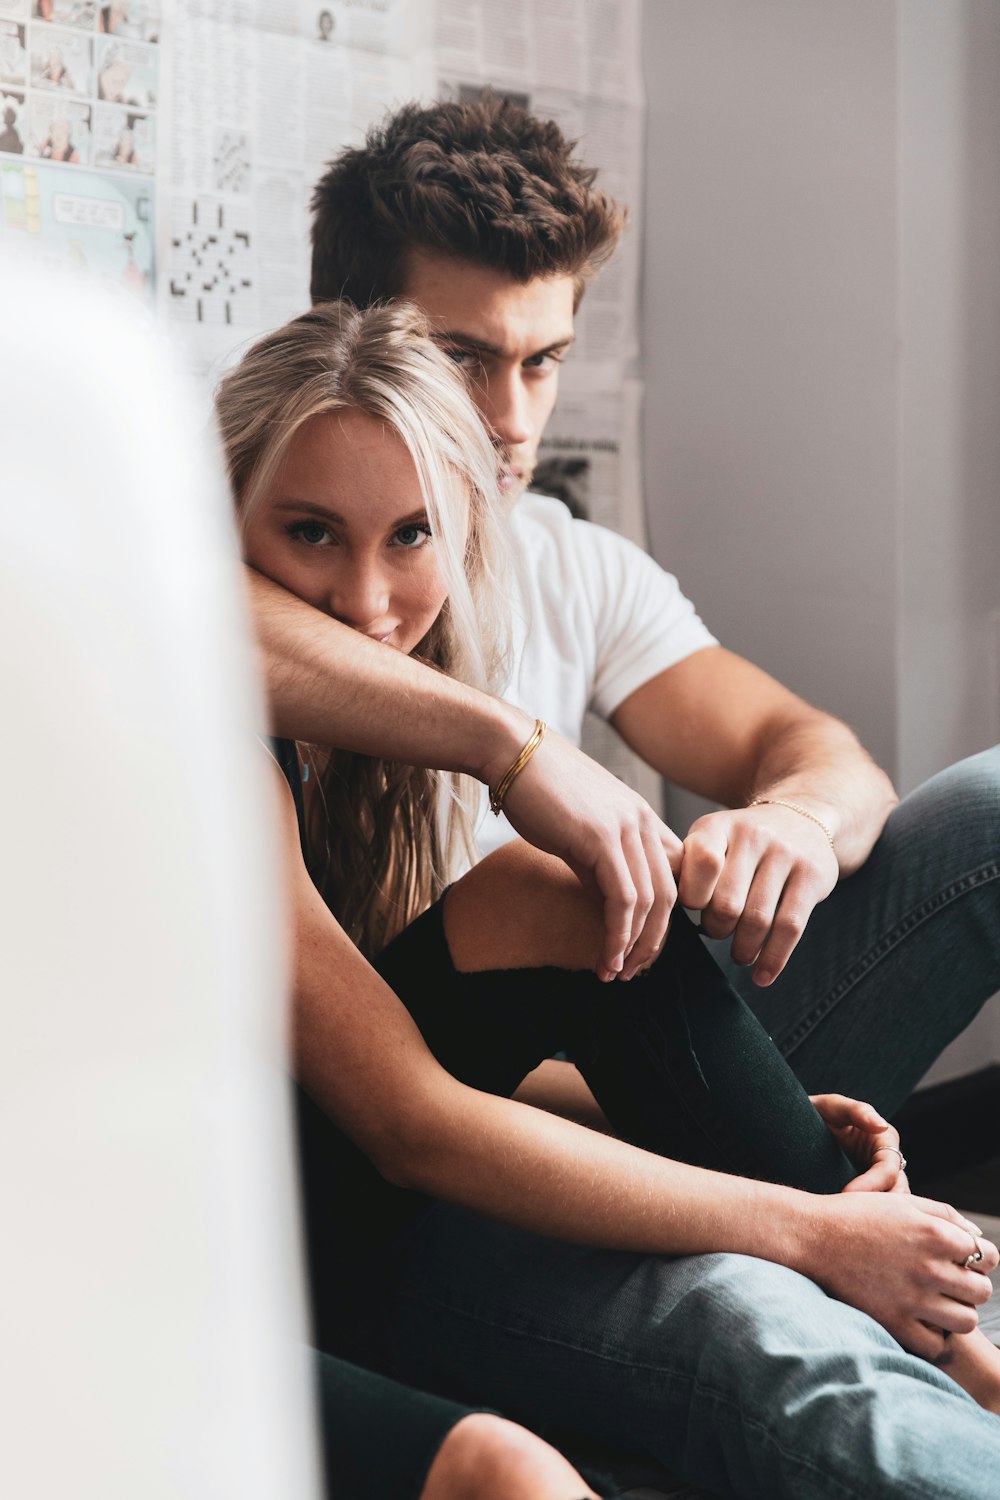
[(903, 954), (741, 1375)]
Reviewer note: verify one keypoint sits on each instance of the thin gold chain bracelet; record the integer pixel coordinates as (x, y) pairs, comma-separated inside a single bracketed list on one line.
[(793, 807)]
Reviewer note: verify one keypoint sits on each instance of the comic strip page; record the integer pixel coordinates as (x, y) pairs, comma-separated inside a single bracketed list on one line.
[(79, 97)]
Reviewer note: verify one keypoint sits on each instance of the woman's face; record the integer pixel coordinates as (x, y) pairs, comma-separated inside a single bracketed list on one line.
[(344, 527)]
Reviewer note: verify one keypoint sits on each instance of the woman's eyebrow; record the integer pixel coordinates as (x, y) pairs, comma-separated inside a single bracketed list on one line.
[(311, 508)]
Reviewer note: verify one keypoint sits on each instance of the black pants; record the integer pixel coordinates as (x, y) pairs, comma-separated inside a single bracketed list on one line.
[(675, 1058)]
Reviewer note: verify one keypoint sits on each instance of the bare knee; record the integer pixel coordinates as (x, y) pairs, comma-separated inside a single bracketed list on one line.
[(487, 1458), (521, 909)]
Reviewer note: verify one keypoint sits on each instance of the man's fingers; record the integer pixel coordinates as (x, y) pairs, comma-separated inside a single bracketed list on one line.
[(794, 910), (703, 860), (750, 885), (760, 907)]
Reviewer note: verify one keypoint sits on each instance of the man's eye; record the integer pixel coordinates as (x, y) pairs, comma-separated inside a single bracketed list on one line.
[(413, 536), (468, 362), (312, 533), (543, 361)]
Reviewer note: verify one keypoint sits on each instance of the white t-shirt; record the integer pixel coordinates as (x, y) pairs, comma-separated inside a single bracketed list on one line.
[(596, 617)]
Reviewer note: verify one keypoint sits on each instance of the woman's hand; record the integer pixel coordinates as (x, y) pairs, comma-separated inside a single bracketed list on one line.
[(902, 1260), (566, 804), (870, 1142)]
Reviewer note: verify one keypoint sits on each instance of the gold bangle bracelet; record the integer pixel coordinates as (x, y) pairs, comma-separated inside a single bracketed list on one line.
[(507, 780), (793, 807)]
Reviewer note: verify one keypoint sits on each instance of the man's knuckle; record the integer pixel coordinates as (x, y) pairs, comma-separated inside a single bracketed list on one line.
[(757, 917), (726, 909), (706, 859), (791, 919)]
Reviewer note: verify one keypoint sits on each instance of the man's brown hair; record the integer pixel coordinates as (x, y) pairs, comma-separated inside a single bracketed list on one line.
[(485, 182)]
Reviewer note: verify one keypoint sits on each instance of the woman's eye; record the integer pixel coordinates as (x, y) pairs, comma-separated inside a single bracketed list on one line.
[(312, 533), (412, 536)]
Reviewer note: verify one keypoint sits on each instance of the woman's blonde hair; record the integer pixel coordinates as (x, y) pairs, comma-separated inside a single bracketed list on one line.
[(381, 838)]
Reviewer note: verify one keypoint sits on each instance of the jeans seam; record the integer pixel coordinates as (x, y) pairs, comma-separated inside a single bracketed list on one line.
[(962, 886)]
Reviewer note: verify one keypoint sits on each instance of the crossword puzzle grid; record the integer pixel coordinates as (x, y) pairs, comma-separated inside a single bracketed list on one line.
[(209, 267), (231, 164)]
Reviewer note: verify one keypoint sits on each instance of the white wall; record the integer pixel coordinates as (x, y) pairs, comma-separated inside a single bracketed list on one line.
[(821, 308)]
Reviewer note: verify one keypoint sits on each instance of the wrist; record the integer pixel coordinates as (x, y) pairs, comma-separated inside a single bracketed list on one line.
[(784, 1225), (768, 1221), (496, 736), (824, 815), (807, 1234)]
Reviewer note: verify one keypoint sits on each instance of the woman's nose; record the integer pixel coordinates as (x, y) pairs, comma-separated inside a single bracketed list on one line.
[(360, 597)]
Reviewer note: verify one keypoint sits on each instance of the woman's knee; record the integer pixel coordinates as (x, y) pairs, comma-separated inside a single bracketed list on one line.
[(485, 1457), (519, 909)]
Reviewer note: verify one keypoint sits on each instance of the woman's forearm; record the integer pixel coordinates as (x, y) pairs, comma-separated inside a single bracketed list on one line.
[(330, 685), (555, 1178), (551, 1176)]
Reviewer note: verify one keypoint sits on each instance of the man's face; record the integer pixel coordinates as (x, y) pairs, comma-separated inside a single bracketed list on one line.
[(509, 339)]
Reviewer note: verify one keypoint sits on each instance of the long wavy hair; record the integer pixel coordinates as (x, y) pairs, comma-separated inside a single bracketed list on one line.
[(382, 838)]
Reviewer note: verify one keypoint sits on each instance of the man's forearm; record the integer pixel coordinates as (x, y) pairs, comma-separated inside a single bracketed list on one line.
[(815, 761)]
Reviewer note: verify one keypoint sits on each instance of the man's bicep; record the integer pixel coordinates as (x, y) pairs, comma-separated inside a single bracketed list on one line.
[(702, 721)]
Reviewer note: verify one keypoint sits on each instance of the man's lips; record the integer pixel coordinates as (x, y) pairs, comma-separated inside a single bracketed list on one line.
[(509, 479)]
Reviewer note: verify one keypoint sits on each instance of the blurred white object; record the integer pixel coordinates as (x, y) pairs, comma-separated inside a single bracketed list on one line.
[(151, 1341)]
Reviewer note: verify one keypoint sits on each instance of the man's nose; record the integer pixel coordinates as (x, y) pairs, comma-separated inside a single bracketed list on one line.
[(506, 407)]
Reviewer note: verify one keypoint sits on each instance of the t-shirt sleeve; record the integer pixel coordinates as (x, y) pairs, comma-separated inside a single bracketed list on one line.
[(643, 622)]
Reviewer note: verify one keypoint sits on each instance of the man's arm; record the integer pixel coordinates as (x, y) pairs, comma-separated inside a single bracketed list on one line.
[(720, 727), (331, 686), (359, 1054)]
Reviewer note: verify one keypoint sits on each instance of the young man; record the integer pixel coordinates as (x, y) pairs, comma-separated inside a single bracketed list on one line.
[(481, 215)]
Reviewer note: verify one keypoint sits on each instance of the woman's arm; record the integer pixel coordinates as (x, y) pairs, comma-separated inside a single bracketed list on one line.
[(359, 1054), (331, 686)]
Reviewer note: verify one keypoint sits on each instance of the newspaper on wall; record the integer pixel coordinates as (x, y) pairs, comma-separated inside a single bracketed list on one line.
[(174, 149), (79, 106)]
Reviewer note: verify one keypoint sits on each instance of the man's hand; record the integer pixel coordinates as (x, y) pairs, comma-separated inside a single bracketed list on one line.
[(867, 1140), (755, 874), (902, 1261), (720, 727), (565, 803)]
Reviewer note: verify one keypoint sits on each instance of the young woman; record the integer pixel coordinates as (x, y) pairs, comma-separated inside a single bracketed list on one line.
[(366, 485)]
